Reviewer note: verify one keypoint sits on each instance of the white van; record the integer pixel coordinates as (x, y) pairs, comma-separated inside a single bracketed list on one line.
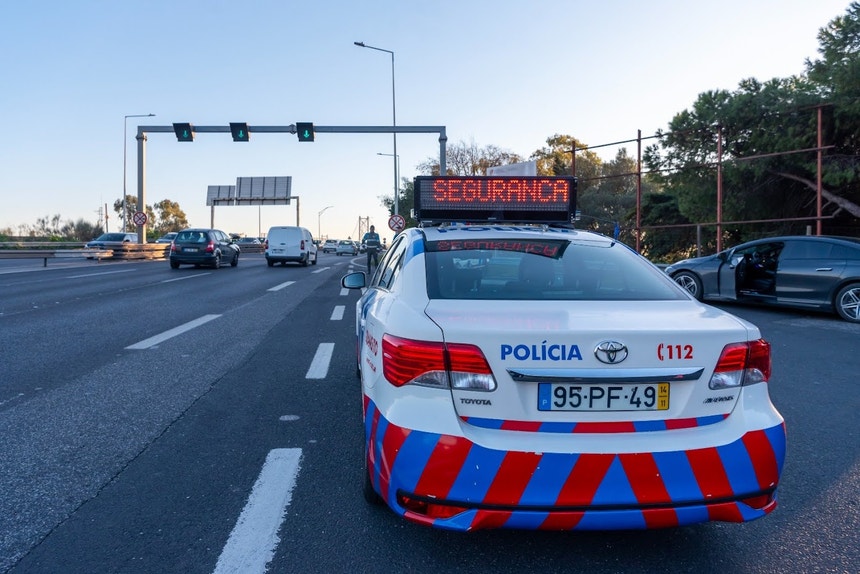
[(290, 244)]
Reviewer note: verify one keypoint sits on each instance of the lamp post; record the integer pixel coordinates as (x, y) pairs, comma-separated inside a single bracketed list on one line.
[(393, 119), (396, 176), (319, 217), (124, 140)]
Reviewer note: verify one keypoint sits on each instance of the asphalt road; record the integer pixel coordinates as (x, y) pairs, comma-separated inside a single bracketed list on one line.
[(237, 441)]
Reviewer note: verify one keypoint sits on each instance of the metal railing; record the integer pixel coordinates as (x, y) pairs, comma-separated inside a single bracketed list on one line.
[(69, 250)]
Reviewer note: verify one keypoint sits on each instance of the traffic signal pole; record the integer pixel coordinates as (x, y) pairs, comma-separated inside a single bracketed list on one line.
[(187, 135)]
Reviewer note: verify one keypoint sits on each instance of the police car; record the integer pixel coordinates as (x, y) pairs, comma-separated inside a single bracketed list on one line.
[(519, 373)]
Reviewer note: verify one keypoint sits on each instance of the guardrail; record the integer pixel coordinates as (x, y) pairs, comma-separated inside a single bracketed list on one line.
[(54, 250), (45, 254)]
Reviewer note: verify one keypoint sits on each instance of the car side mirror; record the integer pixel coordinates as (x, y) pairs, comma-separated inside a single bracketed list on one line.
[(355, 280)]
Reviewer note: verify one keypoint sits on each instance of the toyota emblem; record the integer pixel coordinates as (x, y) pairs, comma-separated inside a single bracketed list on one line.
[(610, 352)]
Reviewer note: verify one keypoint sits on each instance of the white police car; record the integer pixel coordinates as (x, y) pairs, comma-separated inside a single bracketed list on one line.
[(540, 377)]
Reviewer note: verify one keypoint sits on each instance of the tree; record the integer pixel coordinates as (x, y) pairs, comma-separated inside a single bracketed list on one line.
[(469, 159), (164, 217), (761, 126), (169, 217), (405, 202), (80, 230)]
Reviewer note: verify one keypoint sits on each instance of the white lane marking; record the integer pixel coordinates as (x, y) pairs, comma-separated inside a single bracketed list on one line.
[(170, 333), (281, 286), (322, 358), (85, 275), (344, 291), (251, 545), (337, 314), (321, 270), (186, 277)]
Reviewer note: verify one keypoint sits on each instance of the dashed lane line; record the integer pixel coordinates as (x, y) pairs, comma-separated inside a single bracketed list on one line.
[(281, 286), (252, 542), (321, 361), (169, 334)]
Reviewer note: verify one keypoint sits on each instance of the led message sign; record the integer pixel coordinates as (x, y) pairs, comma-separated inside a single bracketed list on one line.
[(534, 199)]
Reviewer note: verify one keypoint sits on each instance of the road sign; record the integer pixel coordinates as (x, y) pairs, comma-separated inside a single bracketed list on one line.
[(396, 223), (139, 218)]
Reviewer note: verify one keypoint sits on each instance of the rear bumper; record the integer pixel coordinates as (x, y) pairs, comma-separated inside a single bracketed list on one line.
[(288, 258), (453, 483), (207, 259)]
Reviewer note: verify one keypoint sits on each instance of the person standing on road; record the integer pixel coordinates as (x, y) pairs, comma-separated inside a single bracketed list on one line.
[(371, 243)]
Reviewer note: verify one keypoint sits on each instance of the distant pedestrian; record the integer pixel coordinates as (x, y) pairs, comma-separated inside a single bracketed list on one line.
[(371, 243)]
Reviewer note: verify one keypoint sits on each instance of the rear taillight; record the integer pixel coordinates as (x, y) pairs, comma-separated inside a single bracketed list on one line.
[(173, 248), (742, 364), (434, 364), (266, 245), (210, 247), (302, 245)]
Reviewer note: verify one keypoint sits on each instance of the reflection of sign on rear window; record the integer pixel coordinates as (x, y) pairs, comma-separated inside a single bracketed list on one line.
[(483, 198), (547, 248)]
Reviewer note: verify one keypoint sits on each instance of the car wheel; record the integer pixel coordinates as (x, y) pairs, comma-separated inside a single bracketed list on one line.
[(235, 261), (174, 265), (691, 282), (270, 263), (848, 302), (305, 261), (217, 263), (316, 255)]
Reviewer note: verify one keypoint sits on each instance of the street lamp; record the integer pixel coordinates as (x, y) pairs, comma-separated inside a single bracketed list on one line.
[(393, 119), (124, 140), (396, 176), (319, 216)]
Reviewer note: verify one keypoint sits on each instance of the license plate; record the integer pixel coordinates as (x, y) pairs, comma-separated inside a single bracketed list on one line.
[(191, 249), (276, 250), (609, 397)]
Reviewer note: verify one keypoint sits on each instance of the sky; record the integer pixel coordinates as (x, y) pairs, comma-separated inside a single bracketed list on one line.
[(509, 74)]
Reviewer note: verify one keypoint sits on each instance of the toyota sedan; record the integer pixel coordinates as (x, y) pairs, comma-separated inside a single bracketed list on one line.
[(519, 373)]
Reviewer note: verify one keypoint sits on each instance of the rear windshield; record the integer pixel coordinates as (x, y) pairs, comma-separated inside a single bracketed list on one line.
[(550, 270), (192, 237)]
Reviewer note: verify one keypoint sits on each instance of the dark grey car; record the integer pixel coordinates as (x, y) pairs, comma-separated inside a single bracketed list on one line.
[(198, 247), (806, 272)]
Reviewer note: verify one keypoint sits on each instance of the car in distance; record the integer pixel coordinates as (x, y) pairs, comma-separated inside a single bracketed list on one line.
[(330, 246), (519, 373), (802, 271), (166, 238), (346, 247), (286, 244), (110, 240), (198, 246)]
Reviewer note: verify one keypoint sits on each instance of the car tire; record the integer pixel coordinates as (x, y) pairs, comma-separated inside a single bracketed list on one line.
[(174, 265), (315, 258), (235, 261), (847, 302), (217, 263), (305, 261), (270, 263), (690, 282)]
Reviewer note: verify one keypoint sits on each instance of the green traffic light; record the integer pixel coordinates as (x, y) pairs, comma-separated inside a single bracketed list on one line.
[(305, 131)]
